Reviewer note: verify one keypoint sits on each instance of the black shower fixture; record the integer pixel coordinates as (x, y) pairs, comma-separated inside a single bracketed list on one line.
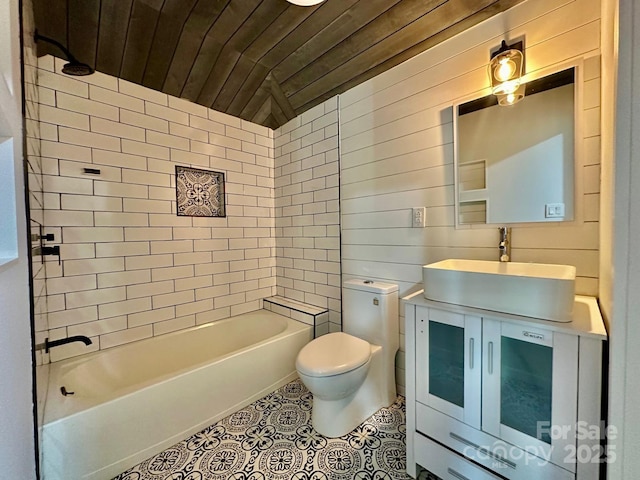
[(74, 67)]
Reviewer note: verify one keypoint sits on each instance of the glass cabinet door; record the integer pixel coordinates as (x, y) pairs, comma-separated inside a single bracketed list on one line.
[(446, 362), (448, 354), (528, 391), (526, 380)]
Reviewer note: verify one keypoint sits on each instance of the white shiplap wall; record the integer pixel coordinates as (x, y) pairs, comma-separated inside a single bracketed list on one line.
[(307, 210), (131, 268), (397, 152)]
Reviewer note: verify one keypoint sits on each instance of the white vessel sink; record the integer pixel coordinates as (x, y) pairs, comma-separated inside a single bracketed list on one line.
[(530, 289)]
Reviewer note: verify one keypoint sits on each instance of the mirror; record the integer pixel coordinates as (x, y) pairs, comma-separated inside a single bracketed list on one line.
[(516, 164)]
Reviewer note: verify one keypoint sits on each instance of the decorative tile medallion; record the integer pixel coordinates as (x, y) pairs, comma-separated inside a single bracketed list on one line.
[(272, 439), (199, 193)]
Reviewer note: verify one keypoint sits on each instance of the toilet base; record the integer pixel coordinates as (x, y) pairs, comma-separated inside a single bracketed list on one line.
[(335, 418)]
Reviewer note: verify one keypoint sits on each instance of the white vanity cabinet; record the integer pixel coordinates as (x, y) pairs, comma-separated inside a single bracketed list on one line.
[(503, 392)]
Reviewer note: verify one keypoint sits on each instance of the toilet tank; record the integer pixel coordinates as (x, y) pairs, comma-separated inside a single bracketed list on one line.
[(370, 312)]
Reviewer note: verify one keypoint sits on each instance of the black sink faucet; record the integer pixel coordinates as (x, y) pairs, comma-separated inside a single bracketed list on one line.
[(49, 344)]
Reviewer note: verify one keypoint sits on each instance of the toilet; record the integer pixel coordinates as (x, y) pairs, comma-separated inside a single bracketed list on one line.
[(351, 374)]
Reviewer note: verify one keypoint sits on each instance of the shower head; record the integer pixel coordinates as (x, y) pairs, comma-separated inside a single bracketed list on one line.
[(74, 67), (77, 69)]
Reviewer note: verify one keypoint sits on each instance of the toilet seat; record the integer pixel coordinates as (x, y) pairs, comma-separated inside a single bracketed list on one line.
[(333, 354)]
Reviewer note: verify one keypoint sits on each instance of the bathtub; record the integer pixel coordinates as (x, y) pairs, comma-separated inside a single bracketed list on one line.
[(133, 401)]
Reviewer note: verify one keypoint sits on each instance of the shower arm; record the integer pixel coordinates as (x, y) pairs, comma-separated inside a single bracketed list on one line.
[(70, 57)]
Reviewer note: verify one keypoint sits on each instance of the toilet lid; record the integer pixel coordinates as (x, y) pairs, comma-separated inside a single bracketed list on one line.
[(332, 354)]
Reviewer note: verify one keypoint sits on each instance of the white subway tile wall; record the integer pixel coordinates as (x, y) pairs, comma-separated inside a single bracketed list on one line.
[(130, 268), (307, 204), (397, 153)]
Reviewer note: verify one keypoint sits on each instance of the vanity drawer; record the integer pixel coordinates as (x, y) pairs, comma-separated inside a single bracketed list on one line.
[(503, 458), (446, 464)]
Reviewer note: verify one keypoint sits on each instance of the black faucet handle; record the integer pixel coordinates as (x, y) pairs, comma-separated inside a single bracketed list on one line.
[(55, 250)]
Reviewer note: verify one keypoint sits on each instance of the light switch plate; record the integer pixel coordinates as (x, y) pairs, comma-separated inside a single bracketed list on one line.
[(419, 217), (554, 210)]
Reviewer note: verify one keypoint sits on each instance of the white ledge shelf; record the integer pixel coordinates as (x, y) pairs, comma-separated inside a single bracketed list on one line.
[(478, 195)]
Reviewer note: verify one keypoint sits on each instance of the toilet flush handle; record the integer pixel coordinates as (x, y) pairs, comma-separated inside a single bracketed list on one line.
[(376, 301)]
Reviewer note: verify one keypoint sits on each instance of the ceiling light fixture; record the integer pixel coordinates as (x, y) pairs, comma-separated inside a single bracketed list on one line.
[(505, 71), (305, 3)]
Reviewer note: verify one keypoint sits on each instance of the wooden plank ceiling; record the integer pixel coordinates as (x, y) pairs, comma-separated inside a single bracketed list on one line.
[(262, 60)]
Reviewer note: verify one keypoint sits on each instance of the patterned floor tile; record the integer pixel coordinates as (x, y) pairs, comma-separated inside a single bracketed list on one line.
[(272, 439)]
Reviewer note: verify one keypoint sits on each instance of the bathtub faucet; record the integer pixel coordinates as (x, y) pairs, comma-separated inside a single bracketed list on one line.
[(55, 343)]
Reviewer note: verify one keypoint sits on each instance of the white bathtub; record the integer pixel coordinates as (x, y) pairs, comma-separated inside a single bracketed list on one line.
[(133, 401)]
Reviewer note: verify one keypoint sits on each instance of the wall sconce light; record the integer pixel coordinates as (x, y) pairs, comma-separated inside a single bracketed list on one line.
[(505, 71)]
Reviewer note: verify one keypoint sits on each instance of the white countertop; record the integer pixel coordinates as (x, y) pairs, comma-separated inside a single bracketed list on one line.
[(587, 320)]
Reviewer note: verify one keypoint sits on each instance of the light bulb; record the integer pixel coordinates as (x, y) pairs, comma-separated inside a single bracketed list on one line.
[(512, 98), (305, 3), (506, 69)]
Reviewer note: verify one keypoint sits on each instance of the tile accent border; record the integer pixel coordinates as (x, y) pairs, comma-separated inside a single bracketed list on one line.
[(317, 317)]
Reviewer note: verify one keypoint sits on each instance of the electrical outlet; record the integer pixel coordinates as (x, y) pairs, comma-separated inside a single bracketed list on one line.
[(419, 215), (554, 210)]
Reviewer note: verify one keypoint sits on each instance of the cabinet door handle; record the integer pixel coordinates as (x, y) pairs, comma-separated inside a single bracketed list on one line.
[(457, 475), (490, 366), (482, 450), (471, 354)]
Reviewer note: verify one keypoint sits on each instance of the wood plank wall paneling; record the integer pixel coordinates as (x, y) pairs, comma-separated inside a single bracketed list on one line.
[(142, 26), (360, 41), (173, 16), (420, 47), (83, 38), (248, 90), (227, 24), (112, 36), (285, 34), (51, 21), (256, 101), (280, 97), (195, 29), (338, 30), (280, 29), (264, 111), (225, 90), (397, 153), (220, 89), (219, 53), (448, 14)]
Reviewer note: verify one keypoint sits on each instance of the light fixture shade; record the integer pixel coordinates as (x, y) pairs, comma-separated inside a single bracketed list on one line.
[(511, 98), (505, 70), (305, 3)]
